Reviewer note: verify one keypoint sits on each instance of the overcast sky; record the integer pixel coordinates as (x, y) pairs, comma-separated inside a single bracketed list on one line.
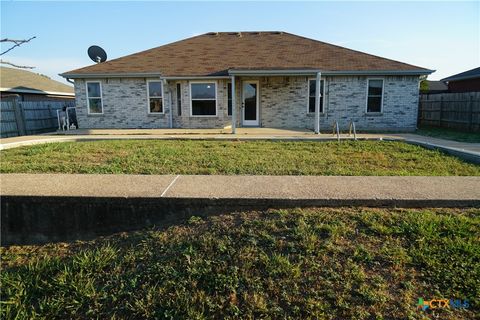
[(444, 36)]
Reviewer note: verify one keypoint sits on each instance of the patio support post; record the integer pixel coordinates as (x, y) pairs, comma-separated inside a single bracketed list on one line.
[(318, 95), (234, 108)]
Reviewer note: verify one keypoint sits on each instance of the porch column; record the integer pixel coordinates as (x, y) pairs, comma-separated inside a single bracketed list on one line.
[(234, 107), (318, 95)]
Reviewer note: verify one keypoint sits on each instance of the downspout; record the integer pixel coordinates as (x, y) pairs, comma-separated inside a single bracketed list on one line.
[(234, 108), (317, 103), (70, 80)]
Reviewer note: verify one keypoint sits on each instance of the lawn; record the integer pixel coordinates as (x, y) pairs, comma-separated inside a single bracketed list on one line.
[(234, 157), (319, 263), (449, 134)]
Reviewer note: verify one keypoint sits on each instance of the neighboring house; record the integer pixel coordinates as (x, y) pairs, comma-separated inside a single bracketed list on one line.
[(431, 87), (265, 79), (468, 81), (28, 86)]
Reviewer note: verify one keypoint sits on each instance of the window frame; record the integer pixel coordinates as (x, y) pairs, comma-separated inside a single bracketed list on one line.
[(216, 98), (322, 97), (148, 96), (88, 97), (381, 101)]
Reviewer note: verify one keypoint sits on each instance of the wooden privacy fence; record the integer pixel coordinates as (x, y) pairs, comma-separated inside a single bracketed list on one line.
[(459, 111), (19, 118)]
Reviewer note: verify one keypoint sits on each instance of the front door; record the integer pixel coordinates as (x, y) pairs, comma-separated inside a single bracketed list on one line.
[(250, 103)]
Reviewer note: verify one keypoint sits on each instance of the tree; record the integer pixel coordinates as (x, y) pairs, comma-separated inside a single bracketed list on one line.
[(423, 85), (16, 43)]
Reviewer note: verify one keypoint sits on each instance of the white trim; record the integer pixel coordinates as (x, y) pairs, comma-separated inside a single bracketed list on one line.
[(88, 97), (216, 99), (148, 96), (383, 94), (322, 96), (110, 75), (251, 122), (311, 72)]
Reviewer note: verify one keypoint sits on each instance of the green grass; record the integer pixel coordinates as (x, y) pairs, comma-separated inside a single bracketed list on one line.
[(234, 157), (449, 134), (316, 263)]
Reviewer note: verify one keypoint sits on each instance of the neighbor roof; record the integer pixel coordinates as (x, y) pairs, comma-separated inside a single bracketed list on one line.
[(436, 85), (22, 81), (470, 74), (215, 53)]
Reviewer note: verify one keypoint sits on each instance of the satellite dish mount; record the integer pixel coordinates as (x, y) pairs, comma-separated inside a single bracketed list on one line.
[(97, 54)]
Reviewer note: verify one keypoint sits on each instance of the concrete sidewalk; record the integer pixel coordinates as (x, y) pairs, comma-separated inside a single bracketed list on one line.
[(312, 190)]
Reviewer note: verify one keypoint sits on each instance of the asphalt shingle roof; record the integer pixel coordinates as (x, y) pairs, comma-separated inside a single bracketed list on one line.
[(20, 80), (470, 74), (215, 53)]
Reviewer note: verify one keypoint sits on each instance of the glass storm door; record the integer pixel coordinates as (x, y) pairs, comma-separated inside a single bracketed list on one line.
[(250, 103)]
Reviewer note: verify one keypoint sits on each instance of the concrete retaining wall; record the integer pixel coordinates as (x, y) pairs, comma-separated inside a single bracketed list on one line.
[(42, 219)]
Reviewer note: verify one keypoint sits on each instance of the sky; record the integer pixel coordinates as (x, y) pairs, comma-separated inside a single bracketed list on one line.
[(444, 36)]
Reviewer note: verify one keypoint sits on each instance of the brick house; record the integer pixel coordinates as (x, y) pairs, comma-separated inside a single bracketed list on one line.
[(263, 79), (468, 81)]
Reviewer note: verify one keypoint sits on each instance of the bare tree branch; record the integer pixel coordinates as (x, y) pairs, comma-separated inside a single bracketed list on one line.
[(17, 43), (16, 66)]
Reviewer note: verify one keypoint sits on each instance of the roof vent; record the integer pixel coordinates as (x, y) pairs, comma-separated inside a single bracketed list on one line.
[(213, 33), (277, 32)]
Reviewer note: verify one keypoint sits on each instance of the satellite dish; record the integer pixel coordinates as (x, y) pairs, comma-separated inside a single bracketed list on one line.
[(97, 54)]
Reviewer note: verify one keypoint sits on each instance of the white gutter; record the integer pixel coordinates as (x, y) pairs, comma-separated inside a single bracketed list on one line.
[(276, 72), (379, 72), (246, 72), (195, 77), (280, 72), (110, 75)]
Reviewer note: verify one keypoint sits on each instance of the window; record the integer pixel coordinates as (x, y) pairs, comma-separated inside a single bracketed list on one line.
[(312, 87), (375, 95), (155, 93), (179, 99), (94, 97), (229, 97), (203, 98)]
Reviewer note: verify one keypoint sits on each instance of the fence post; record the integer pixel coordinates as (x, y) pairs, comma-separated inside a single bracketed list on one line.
[(470, 113), (441, 112), (19, 117)]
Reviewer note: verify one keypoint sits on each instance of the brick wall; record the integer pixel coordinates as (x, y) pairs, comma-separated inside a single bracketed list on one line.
[(345, 100), (124, 105), (283, 104)]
